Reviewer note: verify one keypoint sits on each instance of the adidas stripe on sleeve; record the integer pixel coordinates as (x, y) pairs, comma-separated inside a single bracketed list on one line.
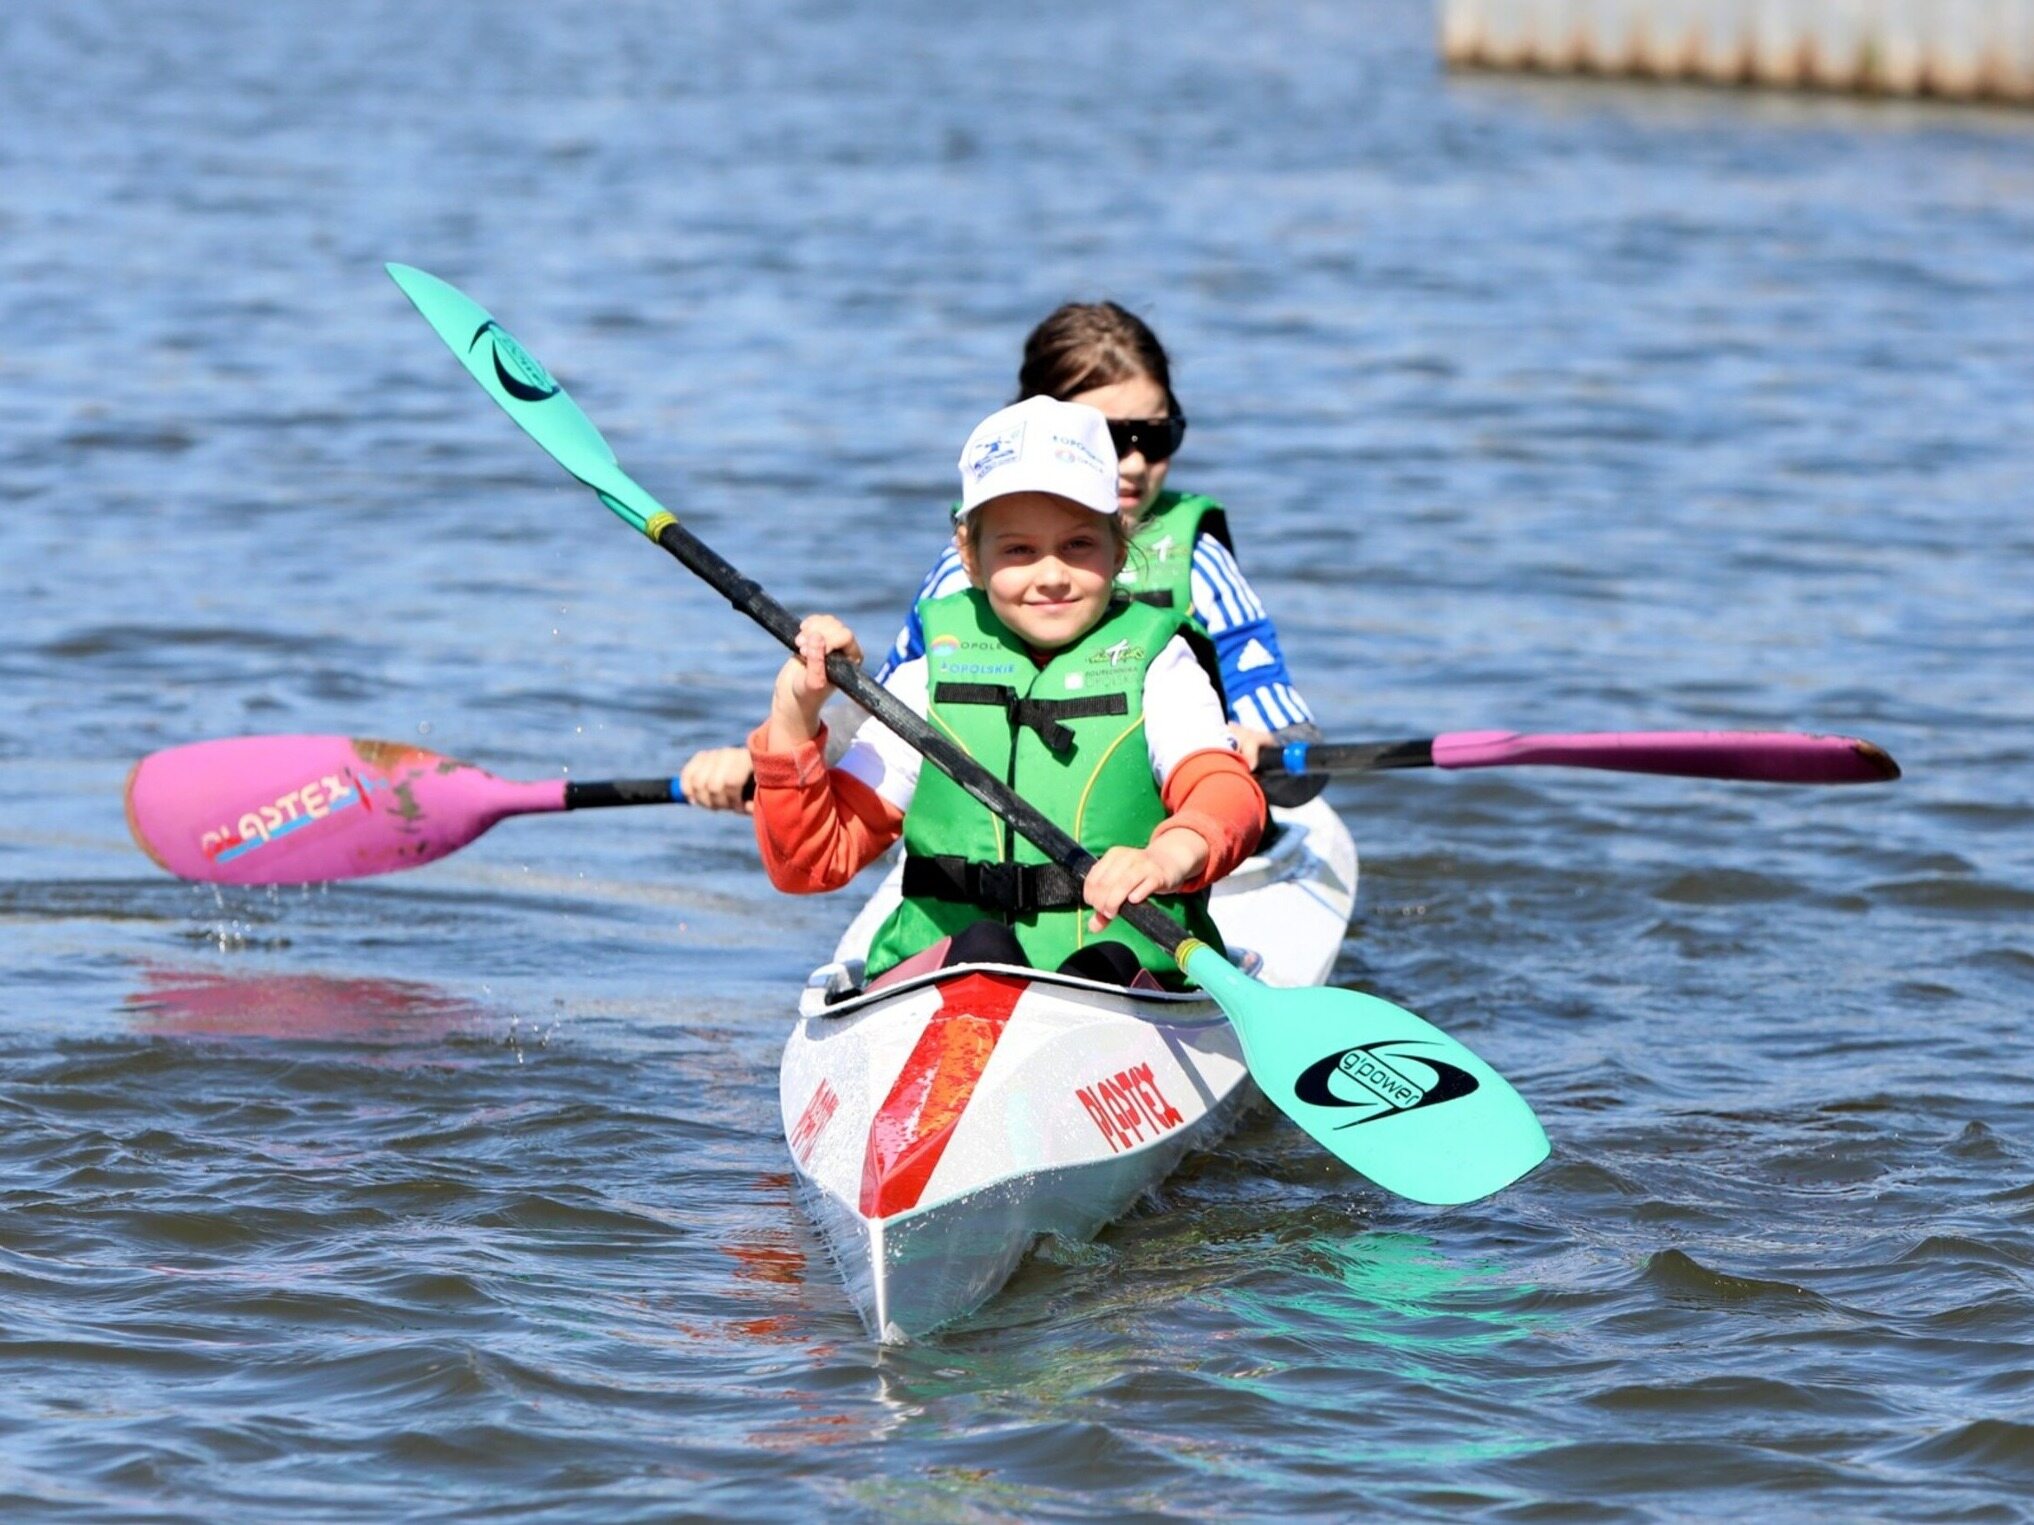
[(1260, 688)]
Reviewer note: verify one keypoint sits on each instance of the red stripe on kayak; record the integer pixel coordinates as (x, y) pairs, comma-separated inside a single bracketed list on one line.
[(911, 1128)]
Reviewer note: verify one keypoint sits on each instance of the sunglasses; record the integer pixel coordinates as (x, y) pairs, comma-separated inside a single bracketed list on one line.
[(1154, 438)]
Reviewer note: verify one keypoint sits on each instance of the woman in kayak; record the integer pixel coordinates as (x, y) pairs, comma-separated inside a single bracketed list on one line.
[(1103, 355), (1101, 711)]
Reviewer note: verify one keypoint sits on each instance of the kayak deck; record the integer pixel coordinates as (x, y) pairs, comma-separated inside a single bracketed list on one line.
[(941, 1124)]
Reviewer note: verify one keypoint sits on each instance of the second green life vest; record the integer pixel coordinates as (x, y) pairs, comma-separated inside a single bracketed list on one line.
[(1069, 738), (1161, 565)]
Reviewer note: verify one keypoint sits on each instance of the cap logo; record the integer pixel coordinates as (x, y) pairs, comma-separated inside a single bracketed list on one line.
[(1074, 452), (998, 450)]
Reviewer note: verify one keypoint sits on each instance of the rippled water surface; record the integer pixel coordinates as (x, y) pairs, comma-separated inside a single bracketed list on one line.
[(1539, 406)]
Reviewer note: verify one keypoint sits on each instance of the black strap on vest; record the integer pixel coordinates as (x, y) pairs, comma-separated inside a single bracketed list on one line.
[(1042, 715), (1161, 599), (1012, 889)]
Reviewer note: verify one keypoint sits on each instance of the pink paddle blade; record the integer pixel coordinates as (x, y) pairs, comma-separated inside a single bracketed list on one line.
[(307, 809), (1767, 757)]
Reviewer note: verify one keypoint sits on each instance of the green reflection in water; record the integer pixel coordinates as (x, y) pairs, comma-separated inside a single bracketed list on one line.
[(1271, 1336), (1422, 1332)]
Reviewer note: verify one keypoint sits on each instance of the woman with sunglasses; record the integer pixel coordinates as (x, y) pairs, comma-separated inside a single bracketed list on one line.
[(1181, 554)]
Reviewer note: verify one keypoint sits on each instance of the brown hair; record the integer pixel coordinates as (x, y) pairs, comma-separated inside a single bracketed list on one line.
[(1084, 345)]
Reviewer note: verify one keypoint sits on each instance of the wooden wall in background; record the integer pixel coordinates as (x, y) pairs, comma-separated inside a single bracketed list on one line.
[(1981, 50)]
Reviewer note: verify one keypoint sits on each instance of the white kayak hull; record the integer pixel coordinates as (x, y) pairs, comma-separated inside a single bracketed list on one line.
[(941, 1125)]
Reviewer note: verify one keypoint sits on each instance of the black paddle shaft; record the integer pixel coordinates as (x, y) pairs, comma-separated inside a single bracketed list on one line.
[(1340, 758), (603, 794), (978, 781), (597, 795)]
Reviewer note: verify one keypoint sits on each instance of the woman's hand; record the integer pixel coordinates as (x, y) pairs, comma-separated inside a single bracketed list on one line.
[(716, 779), (802, 687), (1250, 741), (1131, 875)]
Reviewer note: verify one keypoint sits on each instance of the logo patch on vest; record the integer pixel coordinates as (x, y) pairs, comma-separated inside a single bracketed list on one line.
[(977, 669)]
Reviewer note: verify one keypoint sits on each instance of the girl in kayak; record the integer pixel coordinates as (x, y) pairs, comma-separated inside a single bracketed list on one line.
[(1103, 355), (1099, 710)]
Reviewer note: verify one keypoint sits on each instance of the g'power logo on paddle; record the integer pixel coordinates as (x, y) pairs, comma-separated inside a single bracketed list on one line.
[(515, 367), (1385, 1079)]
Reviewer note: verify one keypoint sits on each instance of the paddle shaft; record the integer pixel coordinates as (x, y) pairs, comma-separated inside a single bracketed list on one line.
[(1762, 757), (1303, 757), (622, 791), (744, 594), (634, 791)]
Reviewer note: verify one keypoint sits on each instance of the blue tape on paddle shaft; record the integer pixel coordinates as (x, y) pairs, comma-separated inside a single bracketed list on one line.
[(1295, 757)]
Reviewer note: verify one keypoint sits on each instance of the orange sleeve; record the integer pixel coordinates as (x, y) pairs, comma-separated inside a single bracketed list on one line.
[(817, 828), (1211, 792)]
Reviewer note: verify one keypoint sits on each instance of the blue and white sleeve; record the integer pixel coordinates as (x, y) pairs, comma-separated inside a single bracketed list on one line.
[(1254, 673), (947, 576)]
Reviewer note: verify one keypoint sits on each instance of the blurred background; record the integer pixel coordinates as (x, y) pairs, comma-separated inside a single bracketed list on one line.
[(1537, 404)]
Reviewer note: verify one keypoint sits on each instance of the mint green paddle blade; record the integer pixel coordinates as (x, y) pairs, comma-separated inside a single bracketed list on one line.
[(526, 391), (1386, 1092)]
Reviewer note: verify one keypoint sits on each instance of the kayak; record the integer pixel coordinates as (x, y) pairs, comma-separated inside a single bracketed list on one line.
[(942, 1123)]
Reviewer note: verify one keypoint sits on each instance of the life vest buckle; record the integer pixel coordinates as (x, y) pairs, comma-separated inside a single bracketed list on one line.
[(1009, 889), (1047, 717), (1042, 715), (1004, 886)]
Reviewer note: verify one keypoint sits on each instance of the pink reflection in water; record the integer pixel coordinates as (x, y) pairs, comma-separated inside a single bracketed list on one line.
[(209, 1003)]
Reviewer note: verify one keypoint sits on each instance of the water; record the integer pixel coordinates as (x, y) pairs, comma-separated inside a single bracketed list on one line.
[(1541, 406)]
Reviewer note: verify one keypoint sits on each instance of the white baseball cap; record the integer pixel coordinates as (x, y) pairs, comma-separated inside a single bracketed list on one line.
[(1040, 445)]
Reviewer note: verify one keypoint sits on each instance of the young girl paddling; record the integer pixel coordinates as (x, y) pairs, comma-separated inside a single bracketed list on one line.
[(1099, 710), (1182, 556)]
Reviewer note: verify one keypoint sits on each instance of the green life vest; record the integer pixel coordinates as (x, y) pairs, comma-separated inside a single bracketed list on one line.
[(1069, 738), (1161, 564)]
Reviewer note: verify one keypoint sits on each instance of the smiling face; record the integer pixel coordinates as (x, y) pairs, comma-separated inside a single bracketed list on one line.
[(1047, 565), (1138, 481)]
